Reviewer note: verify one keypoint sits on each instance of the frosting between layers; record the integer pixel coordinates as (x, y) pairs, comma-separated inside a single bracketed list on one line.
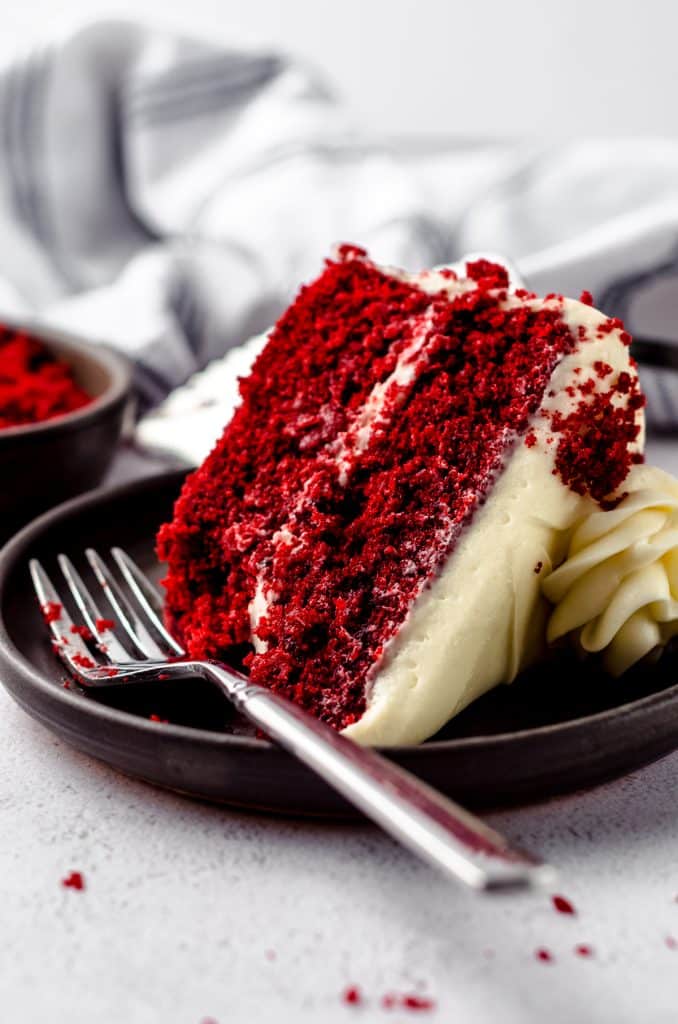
[(388, 394), (354, 441), (483, 619), (617, 590)]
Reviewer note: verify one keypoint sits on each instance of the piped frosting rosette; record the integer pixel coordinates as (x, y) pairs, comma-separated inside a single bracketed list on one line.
[(617, 590)]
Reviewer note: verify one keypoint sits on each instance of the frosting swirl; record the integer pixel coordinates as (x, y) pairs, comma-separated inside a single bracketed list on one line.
[(617, 590)]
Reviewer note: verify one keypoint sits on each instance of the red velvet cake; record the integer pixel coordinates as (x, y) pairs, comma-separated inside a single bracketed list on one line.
[(367, 537)]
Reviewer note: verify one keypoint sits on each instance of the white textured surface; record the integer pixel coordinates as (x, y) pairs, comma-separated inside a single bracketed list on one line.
[(183, 901)]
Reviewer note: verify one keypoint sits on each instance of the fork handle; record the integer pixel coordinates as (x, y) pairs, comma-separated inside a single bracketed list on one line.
[(422, 819)]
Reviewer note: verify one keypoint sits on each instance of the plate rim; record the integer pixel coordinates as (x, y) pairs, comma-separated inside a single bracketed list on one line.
[(10, 553)]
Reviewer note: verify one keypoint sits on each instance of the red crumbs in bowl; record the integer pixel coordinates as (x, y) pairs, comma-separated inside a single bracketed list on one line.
[(34, 384)]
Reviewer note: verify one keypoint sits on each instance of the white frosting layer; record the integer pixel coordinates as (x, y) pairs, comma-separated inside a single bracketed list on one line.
[(381, 403), (617, 590), (482, 620)]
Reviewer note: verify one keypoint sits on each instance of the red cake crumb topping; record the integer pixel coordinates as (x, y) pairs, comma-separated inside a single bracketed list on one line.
[(593, 454), (34, 385), (584, 950), (487, 275), (74, 880), (586, 298), (415, 1002), (544, 955), (563, 905), (104, 625), (335, 536), (348, 251)]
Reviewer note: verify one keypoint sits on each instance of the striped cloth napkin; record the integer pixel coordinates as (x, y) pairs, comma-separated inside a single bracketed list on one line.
[(167, 195)]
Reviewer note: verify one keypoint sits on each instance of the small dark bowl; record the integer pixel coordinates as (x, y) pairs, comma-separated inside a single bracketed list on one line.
[(44, 463)]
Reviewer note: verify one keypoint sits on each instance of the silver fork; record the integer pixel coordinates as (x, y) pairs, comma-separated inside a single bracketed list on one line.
[(138, 648)]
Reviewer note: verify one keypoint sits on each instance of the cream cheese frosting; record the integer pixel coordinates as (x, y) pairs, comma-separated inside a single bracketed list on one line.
[(483, 619), (617, 590)]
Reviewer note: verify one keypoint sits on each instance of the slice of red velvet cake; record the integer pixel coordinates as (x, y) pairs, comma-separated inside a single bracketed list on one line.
[(369, 534)]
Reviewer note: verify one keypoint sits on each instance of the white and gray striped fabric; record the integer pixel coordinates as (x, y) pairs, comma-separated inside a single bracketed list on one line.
[(166, 196)]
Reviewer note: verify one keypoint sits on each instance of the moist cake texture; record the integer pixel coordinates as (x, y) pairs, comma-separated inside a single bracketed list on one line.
[(34, 384), (373, 435)]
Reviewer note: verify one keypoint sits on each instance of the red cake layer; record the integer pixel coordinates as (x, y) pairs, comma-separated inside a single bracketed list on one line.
[(336, 527)]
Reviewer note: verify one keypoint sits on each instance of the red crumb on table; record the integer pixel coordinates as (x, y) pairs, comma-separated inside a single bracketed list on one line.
[(270, 954), (83, 631), (157, 718), (407, 1001), (34, 384), (352, 996), (74, 880), (563, 905), (104, 625), (583, 950), (488, 275), (670, 942), (544, 955), (51, 611)]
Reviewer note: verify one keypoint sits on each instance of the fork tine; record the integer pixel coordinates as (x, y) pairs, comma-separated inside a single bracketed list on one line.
[(69, 645), (147, 596), (109, 644), (125, 614)]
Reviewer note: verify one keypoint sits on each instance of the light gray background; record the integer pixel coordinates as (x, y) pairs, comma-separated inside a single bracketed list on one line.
[(525, 67), (183, 901)]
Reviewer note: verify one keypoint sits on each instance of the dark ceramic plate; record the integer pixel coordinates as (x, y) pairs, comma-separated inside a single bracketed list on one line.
[(563, 726)]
